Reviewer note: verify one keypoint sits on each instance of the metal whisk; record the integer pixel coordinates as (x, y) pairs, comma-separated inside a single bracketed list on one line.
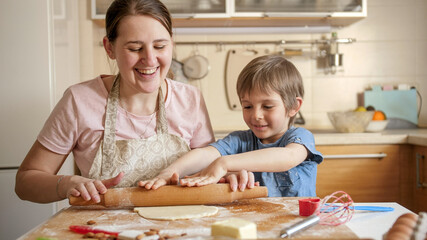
[(334, 210)]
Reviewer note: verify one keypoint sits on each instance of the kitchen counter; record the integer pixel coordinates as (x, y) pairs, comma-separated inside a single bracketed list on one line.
[(270, 215), (396, 136)]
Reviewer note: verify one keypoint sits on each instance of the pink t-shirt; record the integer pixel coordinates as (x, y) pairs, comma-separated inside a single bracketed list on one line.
[(76, 124)]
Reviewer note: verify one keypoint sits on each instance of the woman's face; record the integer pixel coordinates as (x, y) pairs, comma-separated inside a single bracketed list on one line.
[(143, 51)]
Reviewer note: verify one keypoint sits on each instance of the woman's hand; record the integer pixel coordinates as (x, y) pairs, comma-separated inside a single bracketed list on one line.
[(87, 188), (162, 179)]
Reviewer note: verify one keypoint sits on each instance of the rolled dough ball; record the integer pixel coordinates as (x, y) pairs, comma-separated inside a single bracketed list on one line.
[(176, 212), (235, 228)]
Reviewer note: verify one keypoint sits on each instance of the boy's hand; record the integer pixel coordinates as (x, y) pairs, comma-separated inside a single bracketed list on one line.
[(242, 179), (212, 174), (161, 180)]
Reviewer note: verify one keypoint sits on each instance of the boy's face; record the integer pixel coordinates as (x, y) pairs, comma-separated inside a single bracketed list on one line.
[(265, 115)]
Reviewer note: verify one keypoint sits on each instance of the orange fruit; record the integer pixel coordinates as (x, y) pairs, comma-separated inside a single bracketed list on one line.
[(379, 116)]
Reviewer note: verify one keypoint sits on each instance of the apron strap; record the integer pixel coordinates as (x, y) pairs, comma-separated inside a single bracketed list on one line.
[(110, 120), (161, 123)]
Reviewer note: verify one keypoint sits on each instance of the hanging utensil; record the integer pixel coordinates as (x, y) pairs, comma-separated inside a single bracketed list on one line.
[(237, 59), (197, 66), (177, 70)]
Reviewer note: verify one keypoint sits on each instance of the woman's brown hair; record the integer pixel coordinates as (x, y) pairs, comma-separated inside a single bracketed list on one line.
[(122, 8)]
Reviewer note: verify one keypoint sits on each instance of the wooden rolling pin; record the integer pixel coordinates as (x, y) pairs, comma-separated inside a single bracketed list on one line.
[(170, 195)]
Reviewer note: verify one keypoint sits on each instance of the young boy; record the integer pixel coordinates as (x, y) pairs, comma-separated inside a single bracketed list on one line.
[(282, 157)]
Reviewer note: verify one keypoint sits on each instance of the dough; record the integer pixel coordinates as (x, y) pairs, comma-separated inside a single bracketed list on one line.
[(176, 212), (235, 228)]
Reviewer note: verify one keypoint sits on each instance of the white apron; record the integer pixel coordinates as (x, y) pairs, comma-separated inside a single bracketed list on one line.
[(139, 159)]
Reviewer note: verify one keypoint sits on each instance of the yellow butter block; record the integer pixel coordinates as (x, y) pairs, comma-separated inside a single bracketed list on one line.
[(235, 228)]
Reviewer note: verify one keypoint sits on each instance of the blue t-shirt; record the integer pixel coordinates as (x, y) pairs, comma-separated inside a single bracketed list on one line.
[(299, 181)]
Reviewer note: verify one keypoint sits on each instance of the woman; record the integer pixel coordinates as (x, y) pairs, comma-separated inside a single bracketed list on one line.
[(123, 128)]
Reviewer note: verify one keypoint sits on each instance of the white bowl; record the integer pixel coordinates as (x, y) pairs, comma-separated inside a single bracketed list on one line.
[(376, 125)]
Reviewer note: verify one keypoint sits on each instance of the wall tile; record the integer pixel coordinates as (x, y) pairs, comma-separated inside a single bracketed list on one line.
[(336, 93), (319, 120), (421, 57), (379, 58), (421, 20), (386, 23)]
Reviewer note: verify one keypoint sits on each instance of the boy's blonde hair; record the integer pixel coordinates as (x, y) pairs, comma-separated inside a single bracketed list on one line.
[(272, 73)]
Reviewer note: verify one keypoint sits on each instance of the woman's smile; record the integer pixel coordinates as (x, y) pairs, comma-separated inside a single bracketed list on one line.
[(147, 71)]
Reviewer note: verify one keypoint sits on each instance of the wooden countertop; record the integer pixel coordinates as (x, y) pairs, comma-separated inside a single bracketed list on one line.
[(270, 214)]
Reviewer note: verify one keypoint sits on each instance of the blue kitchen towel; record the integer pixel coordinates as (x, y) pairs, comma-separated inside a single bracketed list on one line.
[(395, 103)]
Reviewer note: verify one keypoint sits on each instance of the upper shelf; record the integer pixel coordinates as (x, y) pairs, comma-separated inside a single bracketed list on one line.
[(255, 13)]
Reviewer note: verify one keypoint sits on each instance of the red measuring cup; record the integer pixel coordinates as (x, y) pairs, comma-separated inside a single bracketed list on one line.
[(307, 206)]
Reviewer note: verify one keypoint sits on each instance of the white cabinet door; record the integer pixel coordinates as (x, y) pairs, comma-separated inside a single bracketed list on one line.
[(18, 217), (26, 76), (252, 8), (288, 8), (25, 102)]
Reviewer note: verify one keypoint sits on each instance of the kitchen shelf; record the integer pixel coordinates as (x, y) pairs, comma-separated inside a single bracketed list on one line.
[(265, 21), (250, 13)]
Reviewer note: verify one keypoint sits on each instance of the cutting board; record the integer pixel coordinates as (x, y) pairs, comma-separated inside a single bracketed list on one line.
[(270, 215), (237, 59), (395, 103)]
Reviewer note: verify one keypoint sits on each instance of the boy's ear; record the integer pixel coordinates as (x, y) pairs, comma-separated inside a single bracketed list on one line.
[(108, 46), (295, 110)]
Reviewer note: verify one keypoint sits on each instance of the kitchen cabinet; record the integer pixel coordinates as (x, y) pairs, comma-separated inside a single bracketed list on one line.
[(368, 173), (253, 13), (418, 167), (25, 103), (19, 216)]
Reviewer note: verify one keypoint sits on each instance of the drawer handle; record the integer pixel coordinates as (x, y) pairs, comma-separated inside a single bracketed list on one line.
[(352, 156), (420, 184)]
